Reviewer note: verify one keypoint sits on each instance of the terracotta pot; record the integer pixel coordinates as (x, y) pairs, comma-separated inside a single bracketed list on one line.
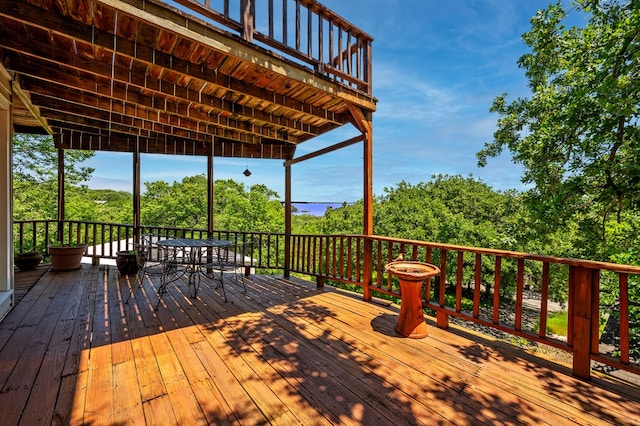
[(66, 258), (27, 261), (127, 263)]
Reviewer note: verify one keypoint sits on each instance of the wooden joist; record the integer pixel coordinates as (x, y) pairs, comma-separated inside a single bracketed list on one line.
[(118, 68)]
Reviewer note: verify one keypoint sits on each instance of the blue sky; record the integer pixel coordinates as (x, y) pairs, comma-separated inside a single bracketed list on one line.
[(437, 66)]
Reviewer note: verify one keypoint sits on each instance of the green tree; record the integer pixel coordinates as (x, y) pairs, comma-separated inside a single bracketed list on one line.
[(577, 135), (184, 204), (450, 209), (35, 175), (306, 224), (447, 209), (258, 209), (344, 220), (101, 205)]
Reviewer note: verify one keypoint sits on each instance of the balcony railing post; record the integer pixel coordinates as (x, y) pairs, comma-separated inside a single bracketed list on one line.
[(367, 272), (442, 318), (583, 283), (247, 16)]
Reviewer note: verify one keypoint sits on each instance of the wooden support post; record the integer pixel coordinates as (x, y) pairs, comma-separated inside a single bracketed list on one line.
[(6, 189), (624, 319), (287, 220), (583, 283), (367, 270), (477, 283), (136, 194), (247, 16), (497, 280), (60, 236), (210, 195), (367, 278), (519, 295), (368, 184)]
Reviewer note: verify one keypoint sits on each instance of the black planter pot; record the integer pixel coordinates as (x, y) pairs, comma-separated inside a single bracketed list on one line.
[(127, 263), (27, 261)]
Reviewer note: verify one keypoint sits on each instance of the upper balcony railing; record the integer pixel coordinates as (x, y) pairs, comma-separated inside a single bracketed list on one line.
[(302, 30), (492, 288)]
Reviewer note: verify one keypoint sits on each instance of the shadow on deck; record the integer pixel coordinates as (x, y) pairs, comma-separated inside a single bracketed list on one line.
[(74, 352)]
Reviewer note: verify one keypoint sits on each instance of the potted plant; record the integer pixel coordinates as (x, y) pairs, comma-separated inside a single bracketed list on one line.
[(66, 256), (27, 261), (127, 262)]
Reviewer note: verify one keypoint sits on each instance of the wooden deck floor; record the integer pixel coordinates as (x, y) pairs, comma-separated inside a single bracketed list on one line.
[(73, 352)]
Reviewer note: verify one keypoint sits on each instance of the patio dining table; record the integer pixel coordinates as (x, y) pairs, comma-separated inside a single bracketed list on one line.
[(186, 256)]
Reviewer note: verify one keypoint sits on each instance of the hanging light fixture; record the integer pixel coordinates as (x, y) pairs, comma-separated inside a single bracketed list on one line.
[(247, 172)]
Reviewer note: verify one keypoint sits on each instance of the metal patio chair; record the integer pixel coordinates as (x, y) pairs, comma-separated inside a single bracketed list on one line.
[(230, 260)]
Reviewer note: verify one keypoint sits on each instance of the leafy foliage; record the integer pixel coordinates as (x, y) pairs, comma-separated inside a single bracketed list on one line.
[(184, 204), (35, 160), (450, 209), (35, 175), (577, 136)]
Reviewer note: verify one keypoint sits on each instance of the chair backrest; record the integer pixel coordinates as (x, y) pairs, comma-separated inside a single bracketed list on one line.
[(145, 249), (234, 254), (247, 251)]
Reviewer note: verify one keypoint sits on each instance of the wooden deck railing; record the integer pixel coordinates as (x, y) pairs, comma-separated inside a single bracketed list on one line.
[(497, 283), (302, 30), (105, 240), (484, 286)]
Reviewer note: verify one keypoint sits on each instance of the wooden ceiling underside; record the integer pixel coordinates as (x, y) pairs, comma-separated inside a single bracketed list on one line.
[(108, 75)]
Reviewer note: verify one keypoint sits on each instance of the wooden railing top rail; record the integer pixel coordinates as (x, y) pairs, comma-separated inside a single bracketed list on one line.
[(591, 264)]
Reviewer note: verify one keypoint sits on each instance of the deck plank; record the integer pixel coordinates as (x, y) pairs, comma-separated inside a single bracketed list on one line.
[(69, 406), (81, 351), (313, 367), (23, 387), (454, 376), (24, 280), (368, 366), (45, 389), (188, 341), (260, 388), (99, 406), (22, 309), (126, 395)]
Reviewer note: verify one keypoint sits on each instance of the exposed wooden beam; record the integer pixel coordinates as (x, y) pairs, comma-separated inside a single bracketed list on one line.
[(160, 97), (359, 119), (180, 113), (26, 101), (121, 114), (326, 150), (108, 72), (196, 31), (117, 142), (146, 56)]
